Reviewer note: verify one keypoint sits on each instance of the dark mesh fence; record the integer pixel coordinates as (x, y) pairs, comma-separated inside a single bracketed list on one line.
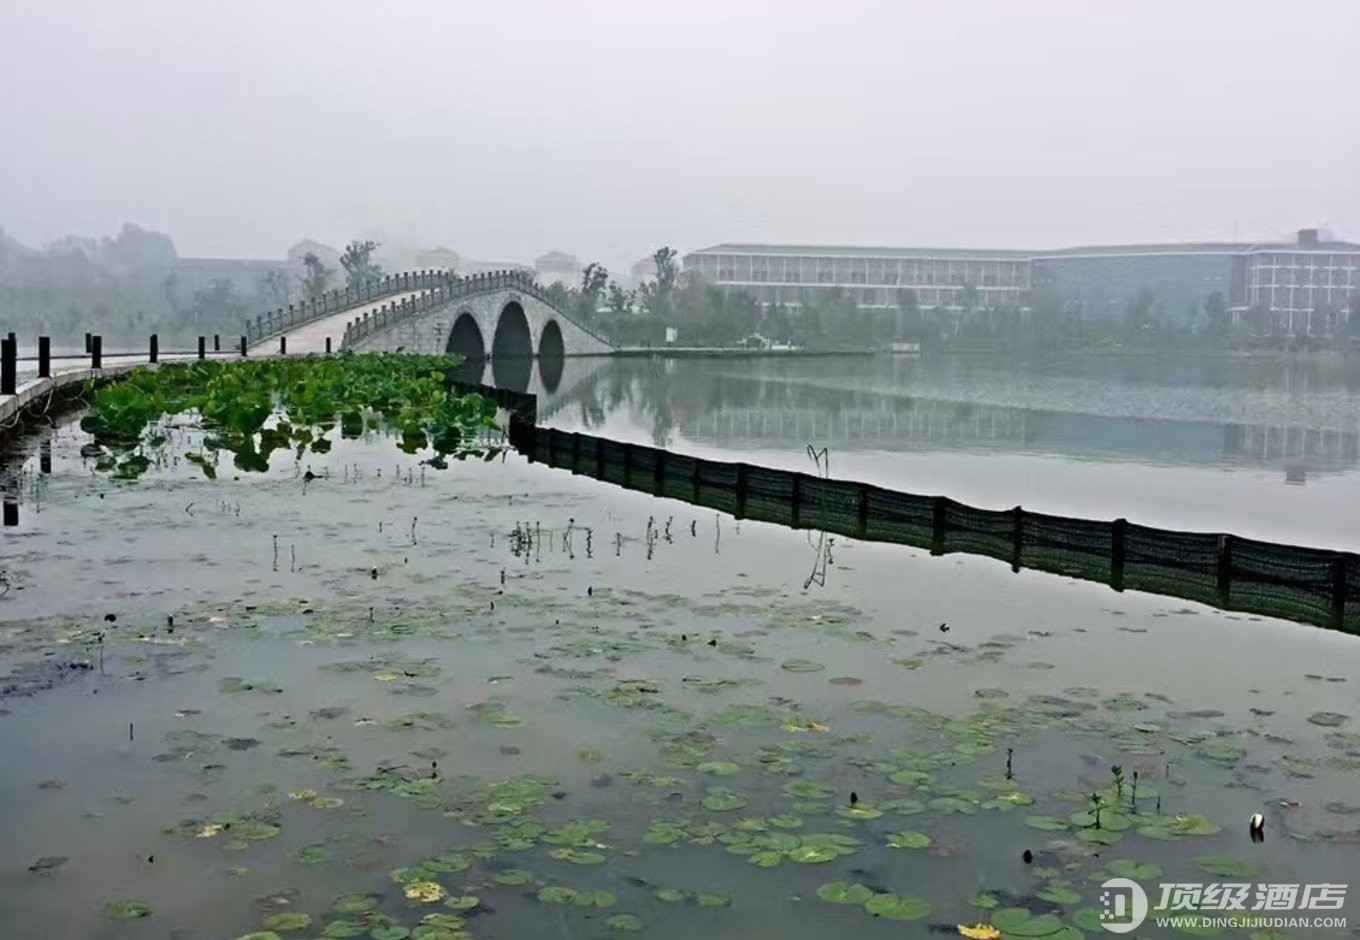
[(1303, 584)]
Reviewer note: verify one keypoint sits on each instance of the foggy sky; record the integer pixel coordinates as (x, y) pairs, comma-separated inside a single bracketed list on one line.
[(504, 129)]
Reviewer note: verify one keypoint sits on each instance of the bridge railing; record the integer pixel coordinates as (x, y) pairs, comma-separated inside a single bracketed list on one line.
[(451, 290), (273, 322)]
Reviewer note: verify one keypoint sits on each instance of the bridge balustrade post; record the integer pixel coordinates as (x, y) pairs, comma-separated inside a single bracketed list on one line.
[(9, 365), (155, 350), (387, 283), (96, 351), (291, 314)]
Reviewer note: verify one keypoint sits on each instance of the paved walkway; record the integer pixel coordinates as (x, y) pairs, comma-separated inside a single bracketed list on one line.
[(302, 339), (311, 337)]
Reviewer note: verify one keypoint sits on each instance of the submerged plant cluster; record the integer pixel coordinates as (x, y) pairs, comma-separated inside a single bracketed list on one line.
[(253, 409)]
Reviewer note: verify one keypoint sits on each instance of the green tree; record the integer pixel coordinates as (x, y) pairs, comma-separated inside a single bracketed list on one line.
[(594, 278), (357, 260), (620, 300), (315, 279)]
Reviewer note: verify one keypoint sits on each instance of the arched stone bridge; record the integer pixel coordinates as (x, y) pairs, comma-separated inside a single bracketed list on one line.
[(496, 316)]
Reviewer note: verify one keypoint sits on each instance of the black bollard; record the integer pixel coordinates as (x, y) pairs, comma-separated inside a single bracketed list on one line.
[(87, 343), (283, 345), (202, 347), (155, 348), (11, 511), (328, 345), (243, 347), (44, 357), (217, 342), (96, 352), (8, 366)]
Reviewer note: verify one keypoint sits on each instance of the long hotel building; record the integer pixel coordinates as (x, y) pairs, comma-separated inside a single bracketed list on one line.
[(1290, 280)]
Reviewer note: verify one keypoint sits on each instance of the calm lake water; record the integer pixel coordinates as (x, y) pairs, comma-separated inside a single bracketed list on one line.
[(502, 701), (1267, 448)]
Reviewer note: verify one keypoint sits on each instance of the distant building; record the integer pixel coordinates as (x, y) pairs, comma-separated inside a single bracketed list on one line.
[(873, 277), (1303, 286), (644, 269), (558, 267), (438, 259)]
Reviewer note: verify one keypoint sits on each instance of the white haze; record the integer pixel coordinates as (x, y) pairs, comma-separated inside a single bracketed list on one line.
[(606, 128)]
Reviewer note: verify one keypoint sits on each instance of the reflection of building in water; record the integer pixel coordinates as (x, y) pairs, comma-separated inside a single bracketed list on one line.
[(917, 423)]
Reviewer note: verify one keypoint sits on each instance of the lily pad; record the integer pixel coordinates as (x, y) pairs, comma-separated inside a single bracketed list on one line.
[(127, 910), (908, 840), (389, 932), (1134, 870), (511, 877), (1059, 894), (557, 894), (669, 895), (354, 903), (1047, 823), (840, 892), (1019, 922), (723, 799), (624, 923), (464, 903), (577, 856), (1229, 867), (801, 665), (288, 920), (719, 768), (897, 907)]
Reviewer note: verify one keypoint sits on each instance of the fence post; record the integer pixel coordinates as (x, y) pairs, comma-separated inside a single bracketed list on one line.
[(155, 353), (9, 356), (1017, 536), (1119, 531), (44, 357), (202, 348), (937, 530), (1339, 590), (795, 501), (1224, 570), (740, 510)]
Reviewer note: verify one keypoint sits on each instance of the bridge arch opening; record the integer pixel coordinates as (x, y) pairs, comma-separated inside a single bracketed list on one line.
[(512, 349), (552, 352), (465, 339)]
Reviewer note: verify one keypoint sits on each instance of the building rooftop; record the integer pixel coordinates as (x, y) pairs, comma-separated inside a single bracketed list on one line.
[(1180, 248), (845, 251)]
